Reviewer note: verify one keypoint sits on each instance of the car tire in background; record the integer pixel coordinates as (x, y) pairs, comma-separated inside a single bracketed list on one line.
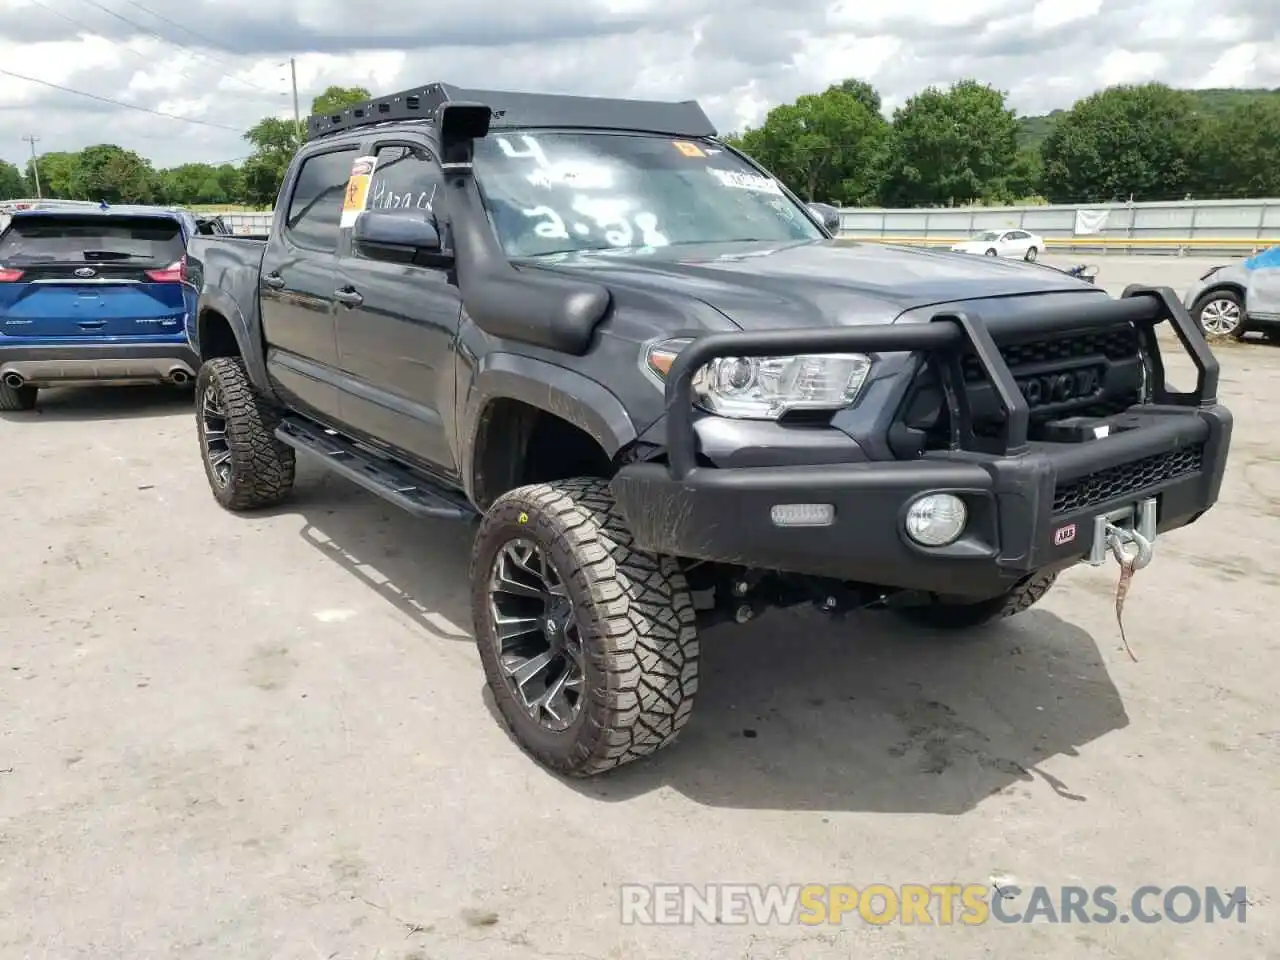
[(1031, 254), (1220, 314), (954, 616), (248, 468), (589, 646), (17, 398), (992, 252)]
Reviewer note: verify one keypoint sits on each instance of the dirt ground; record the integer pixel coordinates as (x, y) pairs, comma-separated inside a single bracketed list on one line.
[(267, 737)]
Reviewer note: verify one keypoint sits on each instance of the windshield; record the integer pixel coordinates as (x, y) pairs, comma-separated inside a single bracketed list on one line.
[(80, 239), (564, 192), (987, 235)]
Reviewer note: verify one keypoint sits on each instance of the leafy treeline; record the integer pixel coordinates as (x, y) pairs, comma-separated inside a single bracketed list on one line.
[(965, 145), (112, 173), (958, 145)]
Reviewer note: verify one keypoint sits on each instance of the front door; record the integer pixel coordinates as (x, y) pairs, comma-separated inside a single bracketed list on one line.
[(396, 330)]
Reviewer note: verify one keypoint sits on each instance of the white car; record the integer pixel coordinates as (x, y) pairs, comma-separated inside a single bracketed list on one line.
[(1015, 244)]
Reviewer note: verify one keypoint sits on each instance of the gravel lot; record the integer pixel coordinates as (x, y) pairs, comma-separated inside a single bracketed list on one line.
[(267, 737)]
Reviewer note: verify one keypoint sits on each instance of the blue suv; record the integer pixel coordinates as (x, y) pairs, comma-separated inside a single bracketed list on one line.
[(95, 295)]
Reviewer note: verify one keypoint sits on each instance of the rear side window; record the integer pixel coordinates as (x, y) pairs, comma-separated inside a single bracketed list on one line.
[(69, 238), (315, 209)]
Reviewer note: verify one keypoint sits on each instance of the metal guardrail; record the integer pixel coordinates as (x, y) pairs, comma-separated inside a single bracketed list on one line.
[(1159, 245)]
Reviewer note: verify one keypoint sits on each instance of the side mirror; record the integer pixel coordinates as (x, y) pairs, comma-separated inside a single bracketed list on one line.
[(828, 215), (409, 231)]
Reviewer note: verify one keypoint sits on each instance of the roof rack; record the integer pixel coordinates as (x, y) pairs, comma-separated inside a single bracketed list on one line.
[(522, 110)]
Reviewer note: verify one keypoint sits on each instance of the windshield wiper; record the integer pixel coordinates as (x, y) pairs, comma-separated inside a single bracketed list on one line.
[(109, 255)]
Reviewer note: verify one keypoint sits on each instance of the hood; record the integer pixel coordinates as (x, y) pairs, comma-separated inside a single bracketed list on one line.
[(817, 283), (813, 283)]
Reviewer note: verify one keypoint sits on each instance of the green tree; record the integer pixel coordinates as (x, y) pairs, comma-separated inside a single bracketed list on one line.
[(864, 93), (12, 186), (56, 172), (275, 141), (950, 146), (825, 146), (335, 98), (111, 173), (1238, 154), (1126, 141)]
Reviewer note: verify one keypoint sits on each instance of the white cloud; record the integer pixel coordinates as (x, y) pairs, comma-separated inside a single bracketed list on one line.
[(223, 64)]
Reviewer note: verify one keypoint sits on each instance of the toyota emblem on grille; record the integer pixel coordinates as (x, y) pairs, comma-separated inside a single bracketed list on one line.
[(84, 273)]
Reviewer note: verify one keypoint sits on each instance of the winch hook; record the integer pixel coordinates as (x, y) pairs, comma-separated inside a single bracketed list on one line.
[(1118, 538)]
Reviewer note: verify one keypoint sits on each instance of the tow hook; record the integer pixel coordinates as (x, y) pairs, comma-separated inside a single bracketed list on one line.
[(1112, 537)]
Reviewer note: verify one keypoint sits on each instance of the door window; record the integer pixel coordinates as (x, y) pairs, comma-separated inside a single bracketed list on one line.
[(404, 177), (315, 209)]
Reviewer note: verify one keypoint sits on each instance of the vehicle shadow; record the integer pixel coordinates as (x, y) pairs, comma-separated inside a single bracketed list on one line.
[(795, 711), (104, 403), (417, 565)]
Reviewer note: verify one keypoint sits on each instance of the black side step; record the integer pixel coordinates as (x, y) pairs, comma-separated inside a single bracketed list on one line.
[(377, 475)]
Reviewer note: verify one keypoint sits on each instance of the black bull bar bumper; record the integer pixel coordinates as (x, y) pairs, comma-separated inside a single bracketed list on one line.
[(1031, 505)]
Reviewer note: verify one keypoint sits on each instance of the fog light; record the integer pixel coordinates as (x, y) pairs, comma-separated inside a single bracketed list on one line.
[(803, 514), (936, 519)]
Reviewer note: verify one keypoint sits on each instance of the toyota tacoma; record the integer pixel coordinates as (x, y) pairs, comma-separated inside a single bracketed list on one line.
[(668, 395)]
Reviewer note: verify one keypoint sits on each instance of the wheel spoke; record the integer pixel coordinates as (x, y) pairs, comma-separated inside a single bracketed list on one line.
[(503, 583), (220, 458), (510, 628), (526, 670)]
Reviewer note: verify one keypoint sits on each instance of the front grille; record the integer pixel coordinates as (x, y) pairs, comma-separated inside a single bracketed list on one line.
[(1119, 343), (1127, 479)]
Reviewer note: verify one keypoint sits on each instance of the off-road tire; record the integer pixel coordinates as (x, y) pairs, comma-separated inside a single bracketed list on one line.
[(19, 398), (635, 617), (943, 615), (1031, 255), (262, 468)]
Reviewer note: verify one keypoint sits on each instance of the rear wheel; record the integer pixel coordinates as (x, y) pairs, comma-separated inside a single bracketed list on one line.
[(950, 615), (246, 465), (17, 398), (589, 646), (1220, 314)]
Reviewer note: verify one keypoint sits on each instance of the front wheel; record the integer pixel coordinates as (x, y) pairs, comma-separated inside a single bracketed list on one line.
[(992, 252), (1220, 314), (1031, 255), (589, 646), (949, 615)]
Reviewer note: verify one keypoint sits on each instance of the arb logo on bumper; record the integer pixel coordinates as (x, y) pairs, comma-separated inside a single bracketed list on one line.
[(1064, 534)]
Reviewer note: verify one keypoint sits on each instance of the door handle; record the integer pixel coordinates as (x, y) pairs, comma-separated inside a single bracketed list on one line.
[(273, 280), (349, 296), (91, 324)]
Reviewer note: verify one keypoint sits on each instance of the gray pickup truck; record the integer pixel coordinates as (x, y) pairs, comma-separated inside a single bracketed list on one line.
[(669, 397)]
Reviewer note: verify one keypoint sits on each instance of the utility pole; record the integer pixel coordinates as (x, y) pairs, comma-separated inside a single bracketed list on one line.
[(35, 164), (297, 117)]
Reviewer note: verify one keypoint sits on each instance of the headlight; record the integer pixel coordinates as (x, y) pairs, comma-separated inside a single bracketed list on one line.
[(766, 388)]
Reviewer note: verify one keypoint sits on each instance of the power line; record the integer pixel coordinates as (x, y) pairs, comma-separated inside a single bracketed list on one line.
[(173, 23), (118, 103), (195, 53)]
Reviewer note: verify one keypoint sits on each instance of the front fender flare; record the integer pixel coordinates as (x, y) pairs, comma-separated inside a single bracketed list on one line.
[(579, 400)]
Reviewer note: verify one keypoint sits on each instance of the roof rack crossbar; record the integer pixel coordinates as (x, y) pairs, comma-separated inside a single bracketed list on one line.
[(522, 110)]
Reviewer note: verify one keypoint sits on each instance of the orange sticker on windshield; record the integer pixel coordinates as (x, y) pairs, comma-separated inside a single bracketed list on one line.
[(688, 149)]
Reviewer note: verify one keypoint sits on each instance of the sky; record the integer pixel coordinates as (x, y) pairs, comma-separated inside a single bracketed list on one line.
[(221, 65)]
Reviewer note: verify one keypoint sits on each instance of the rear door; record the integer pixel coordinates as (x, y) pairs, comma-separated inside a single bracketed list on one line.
[(92, 275)]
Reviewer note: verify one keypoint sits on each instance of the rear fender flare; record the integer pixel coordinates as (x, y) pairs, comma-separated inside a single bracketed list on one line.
[(579, 400), (221, 304)]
